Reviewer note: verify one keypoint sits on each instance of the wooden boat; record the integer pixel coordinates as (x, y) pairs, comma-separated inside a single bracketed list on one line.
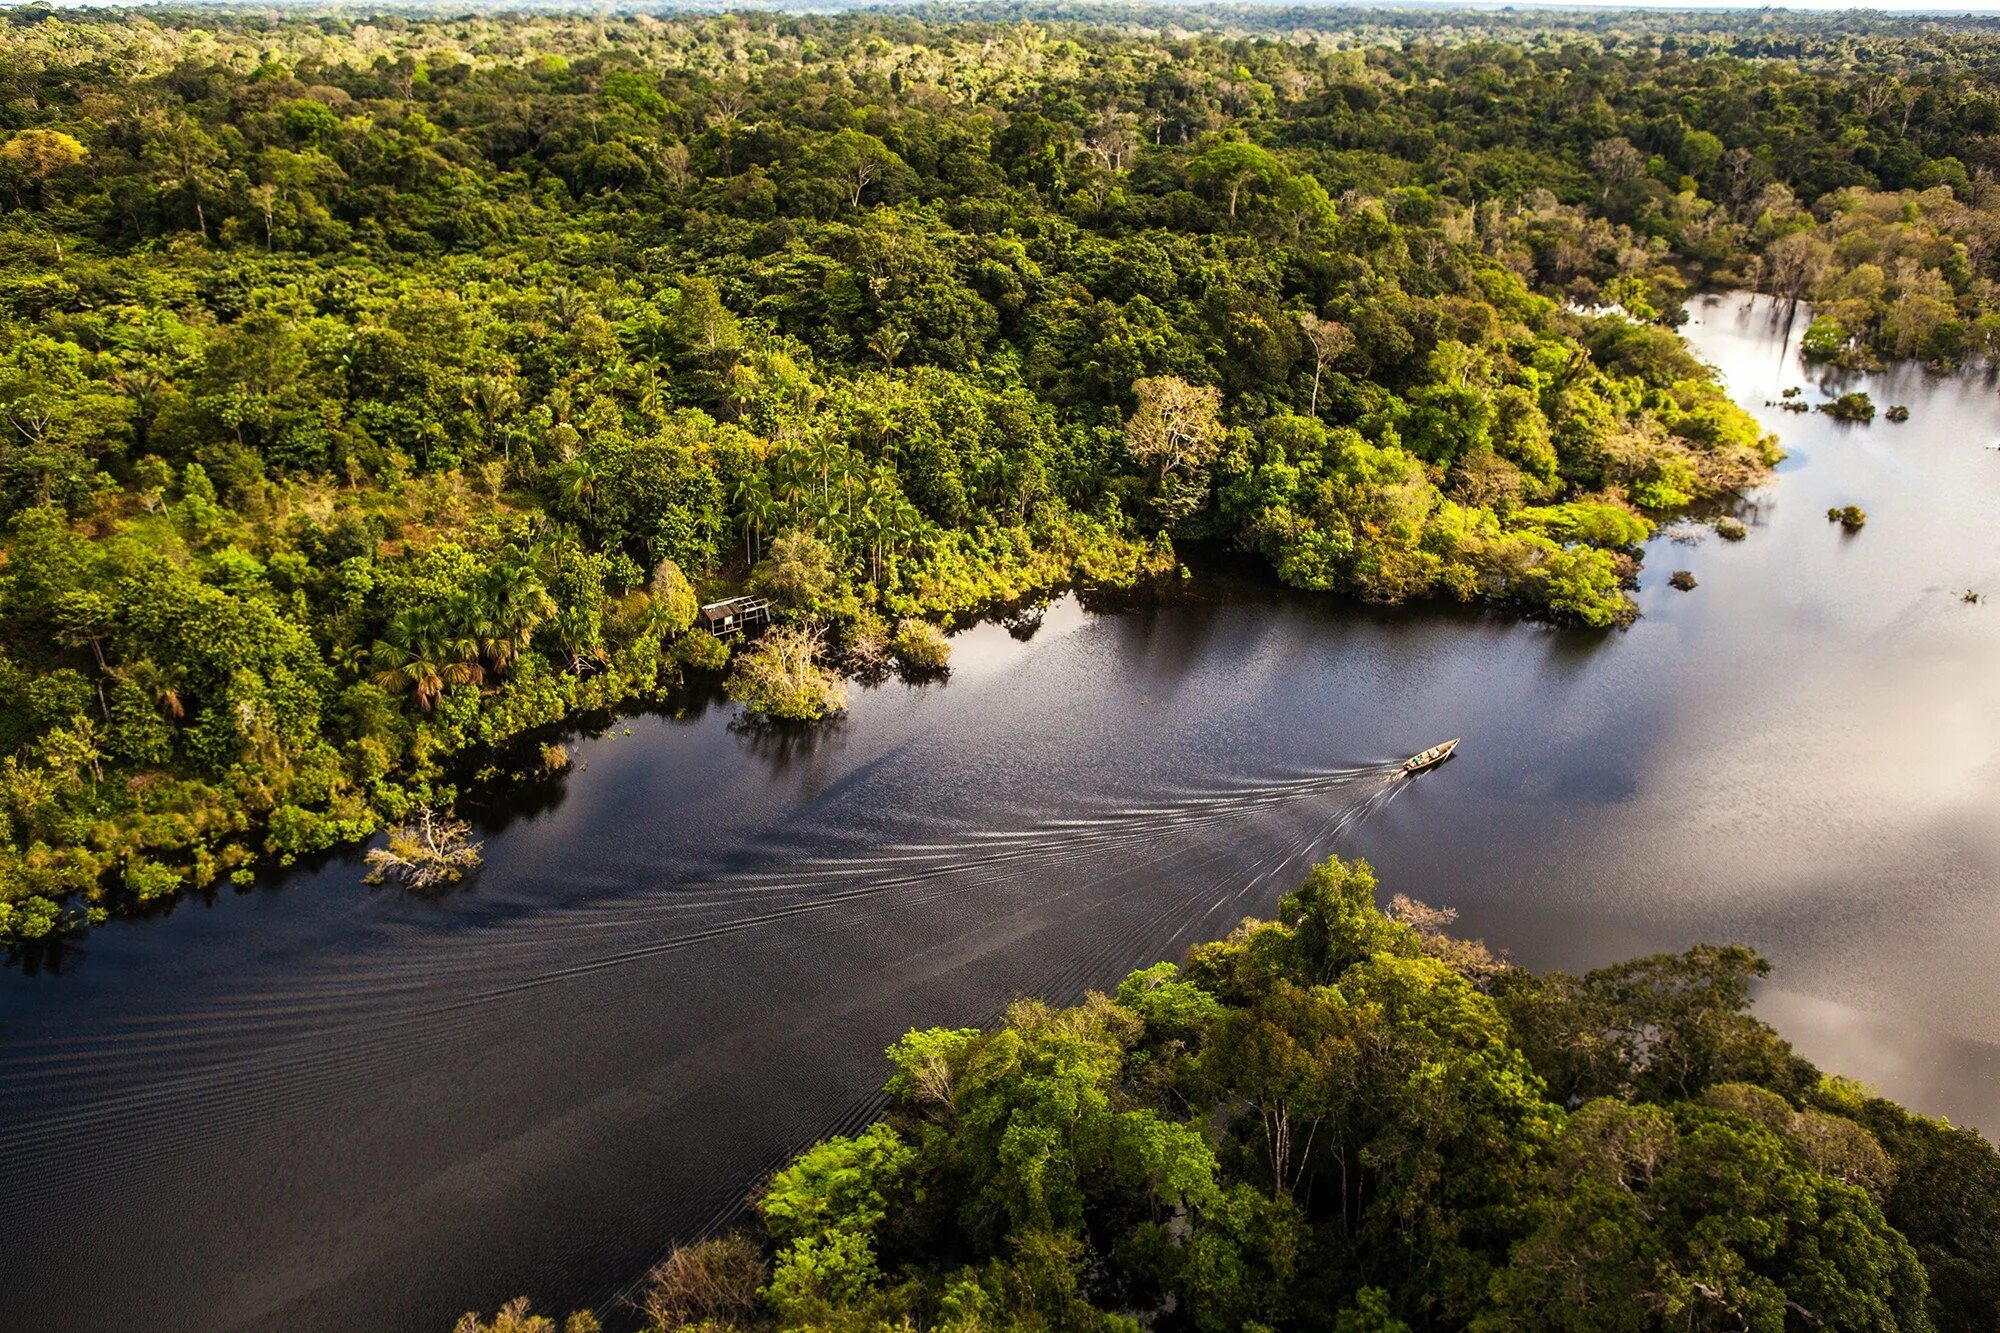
[(1430, 758)]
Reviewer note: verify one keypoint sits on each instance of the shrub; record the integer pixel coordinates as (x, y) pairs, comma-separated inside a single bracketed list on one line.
[(781, 677), (1850, 517), (1898, 414), (698, 650), (867, 643), (1850, 407), (920, 645), (715, 1282), (1731, 529), (1682, 579), (149, 879), (1825, 340), (518, 1316), (32, 918), (1593, 522)]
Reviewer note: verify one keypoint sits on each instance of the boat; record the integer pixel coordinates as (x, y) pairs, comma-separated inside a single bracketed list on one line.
[(1430, 758)]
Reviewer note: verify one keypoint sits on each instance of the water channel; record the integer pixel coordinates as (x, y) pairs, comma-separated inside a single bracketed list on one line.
[(312, 1105)]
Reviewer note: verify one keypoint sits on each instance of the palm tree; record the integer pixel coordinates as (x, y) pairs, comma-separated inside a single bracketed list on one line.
[(145, 387), (871, 523), (824, 452), (760, 509), (424, 653), (789, 469), (347, 658), (901, 523), (847, 469), (157, 682), (510, 605), (579, 484), (888, 343), (749, 493), (493, 396)]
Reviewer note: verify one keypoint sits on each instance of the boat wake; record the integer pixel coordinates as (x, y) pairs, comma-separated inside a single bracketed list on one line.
[(1110, 888)]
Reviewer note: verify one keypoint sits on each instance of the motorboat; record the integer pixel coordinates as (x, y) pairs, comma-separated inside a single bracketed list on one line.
[(1430, 758)]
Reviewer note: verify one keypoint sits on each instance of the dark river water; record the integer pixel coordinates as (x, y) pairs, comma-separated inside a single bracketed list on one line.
[(316, 1106)]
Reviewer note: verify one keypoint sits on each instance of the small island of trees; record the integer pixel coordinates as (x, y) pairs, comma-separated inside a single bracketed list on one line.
[(1855, 406)]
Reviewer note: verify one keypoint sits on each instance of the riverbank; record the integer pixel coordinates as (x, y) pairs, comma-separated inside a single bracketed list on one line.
[(1356, 1111), (667, 976)]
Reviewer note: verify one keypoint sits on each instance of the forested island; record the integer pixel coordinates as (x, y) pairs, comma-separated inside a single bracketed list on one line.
[(1350, 1119), (379, 389)]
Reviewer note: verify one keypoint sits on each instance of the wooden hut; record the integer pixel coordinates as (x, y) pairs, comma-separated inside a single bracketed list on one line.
[(734, 615)]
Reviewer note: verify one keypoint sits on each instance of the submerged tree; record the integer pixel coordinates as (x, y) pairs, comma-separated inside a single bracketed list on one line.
[(431, 851)]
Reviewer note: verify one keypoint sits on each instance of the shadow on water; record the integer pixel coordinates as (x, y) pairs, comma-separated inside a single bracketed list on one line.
[(783, 746)]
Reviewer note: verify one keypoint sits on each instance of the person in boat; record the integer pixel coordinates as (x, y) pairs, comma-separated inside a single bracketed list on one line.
[(1430, 758)]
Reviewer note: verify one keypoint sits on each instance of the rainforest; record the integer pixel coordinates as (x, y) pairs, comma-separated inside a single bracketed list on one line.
[(1350, 1119), (387, 394), (381, 391)]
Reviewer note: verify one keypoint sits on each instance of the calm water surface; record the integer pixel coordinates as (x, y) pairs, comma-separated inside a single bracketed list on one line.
[(316, 1106)]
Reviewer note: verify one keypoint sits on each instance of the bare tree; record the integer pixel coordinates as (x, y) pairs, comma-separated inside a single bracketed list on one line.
[(1616, 162), (1797, 261), (710, 1284), (430, 851), (1469, 958), (1330, 341), (1174, 424), (1113, 140)]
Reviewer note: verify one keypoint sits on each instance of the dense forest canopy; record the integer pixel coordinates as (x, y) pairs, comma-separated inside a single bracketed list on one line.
[(1348, 1119), (380, 387)]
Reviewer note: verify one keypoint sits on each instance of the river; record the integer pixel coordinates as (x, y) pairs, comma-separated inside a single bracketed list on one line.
[(311, 1105)]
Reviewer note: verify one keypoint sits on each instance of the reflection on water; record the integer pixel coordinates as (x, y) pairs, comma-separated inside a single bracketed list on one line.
[(315, 1106)]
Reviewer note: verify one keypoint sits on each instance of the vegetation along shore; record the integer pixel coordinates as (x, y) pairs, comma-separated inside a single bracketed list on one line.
[(1351, 1119), (381, 389)]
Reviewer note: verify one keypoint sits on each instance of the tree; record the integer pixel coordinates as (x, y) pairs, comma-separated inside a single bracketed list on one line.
[(36, 157), (185, 156), (1233, 166), (842, 167), (1173, 426), (424, 653), (510, 604), (799, 574), (1616, 162), (888, 343), (1668, 1025), (1330, 342), (781, 677), (1796, 262), (493, 396), (1113, 140), (1653, 1218), (1293, 1056)]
